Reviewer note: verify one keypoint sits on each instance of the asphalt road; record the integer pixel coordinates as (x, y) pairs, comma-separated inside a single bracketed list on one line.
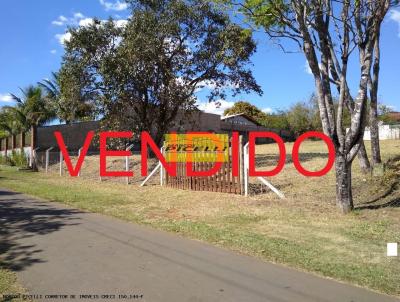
[(62, 251)]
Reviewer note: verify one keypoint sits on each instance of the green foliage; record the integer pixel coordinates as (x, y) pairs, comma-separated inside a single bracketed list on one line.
[(303, 117), (384, 115), (68, 106), (264, 13), (142, 74), (5, 160), (276, 121), (245, 108), (32, 107), (18, 159), (3, 134)]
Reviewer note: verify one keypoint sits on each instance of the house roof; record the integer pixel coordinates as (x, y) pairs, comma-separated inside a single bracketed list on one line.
[(243, 115), (395, 115)]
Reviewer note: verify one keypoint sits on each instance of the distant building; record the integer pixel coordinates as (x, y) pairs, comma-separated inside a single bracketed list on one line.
[(74, 134), (244, 124), (385, 132), (395, 116)]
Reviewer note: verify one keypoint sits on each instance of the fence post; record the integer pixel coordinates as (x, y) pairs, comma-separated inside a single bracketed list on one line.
[(246, 169), (34, 156), (241, 166), (79, 155), (47, 158), (127, 162), (162, 169), (61, 163), (30, 157)]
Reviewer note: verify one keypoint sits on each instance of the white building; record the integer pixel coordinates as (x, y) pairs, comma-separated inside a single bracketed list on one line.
[(385, 132)]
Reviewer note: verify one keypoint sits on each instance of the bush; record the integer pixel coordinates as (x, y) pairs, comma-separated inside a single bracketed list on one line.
[(18, 159), (4, 160)]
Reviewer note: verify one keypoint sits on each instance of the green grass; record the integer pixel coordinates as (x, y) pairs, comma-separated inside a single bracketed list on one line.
[(305, 231), (9, 286)]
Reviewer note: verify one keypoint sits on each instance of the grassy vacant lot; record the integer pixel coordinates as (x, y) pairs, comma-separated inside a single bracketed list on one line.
[(304, 231)]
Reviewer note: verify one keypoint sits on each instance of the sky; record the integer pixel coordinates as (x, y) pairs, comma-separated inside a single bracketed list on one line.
[(32, 33)]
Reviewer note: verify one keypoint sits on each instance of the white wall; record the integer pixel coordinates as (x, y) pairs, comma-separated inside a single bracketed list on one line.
[(27, 151), (385, 132)]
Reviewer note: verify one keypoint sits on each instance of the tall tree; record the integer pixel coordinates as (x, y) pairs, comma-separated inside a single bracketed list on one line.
[(245, 108), (13, 121), (141, 75), (36, 110), (373, 113), (8, 126), (329, 32), (303, 117), (68, 109)]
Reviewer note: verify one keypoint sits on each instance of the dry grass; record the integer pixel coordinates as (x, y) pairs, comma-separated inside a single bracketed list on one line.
[(10, 289), (304, 231)]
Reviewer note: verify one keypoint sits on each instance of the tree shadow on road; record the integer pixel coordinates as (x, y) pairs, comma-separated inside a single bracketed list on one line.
[(22, 218)]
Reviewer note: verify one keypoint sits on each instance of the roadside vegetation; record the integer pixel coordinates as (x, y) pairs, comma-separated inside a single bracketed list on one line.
[(9, 286), (15, 159), (301, 231)]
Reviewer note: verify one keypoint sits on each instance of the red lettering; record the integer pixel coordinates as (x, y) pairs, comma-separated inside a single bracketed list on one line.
[(104, 153), (73, 171), (235, 154), (331, 156), (252, 154), (147, 140)]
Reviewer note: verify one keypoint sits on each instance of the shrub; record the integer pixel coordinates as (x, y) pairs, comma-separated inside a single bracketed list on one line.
[(18, 159)]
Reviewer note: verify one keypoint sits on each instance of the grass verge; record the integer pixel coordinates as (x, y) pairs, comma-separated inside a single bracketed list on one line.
[(10, 289), (304, 231)]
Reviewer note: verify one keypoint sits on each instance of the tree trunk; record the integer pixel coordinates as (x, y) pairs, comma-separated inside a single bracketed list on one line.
[(33, 146), (22, 142), (374, 130), (6, 150), (344, 196), (13, 141), (373, 113), (363, 159)]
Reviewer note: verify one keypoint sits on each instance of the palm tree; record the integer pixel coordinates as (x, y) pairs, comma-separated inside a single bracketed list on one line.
[(36, 110), (17, 123), (6, 128), (53, 94), (67, 110)]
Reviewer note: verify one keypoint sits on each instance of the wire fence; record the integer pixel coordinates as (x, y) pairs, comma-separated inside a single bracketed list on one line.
[(53, 162)]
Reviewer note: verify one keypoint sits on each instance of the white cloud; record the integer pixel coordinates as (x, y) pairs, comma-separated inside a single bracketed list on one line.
[(207, 85), (53, 51), (307, 68), (217, 107), (62, 38), (394, 15), (6, 98), (211, 85), (61, 21), (121, 23), (64, 21), (78, 16), (79, 19), (116, 6), (267, 110), (85, 22)]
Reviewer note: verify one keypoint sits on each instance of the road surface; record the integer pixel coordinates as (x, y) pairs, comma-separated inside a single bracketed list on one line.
[(56, 250)]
